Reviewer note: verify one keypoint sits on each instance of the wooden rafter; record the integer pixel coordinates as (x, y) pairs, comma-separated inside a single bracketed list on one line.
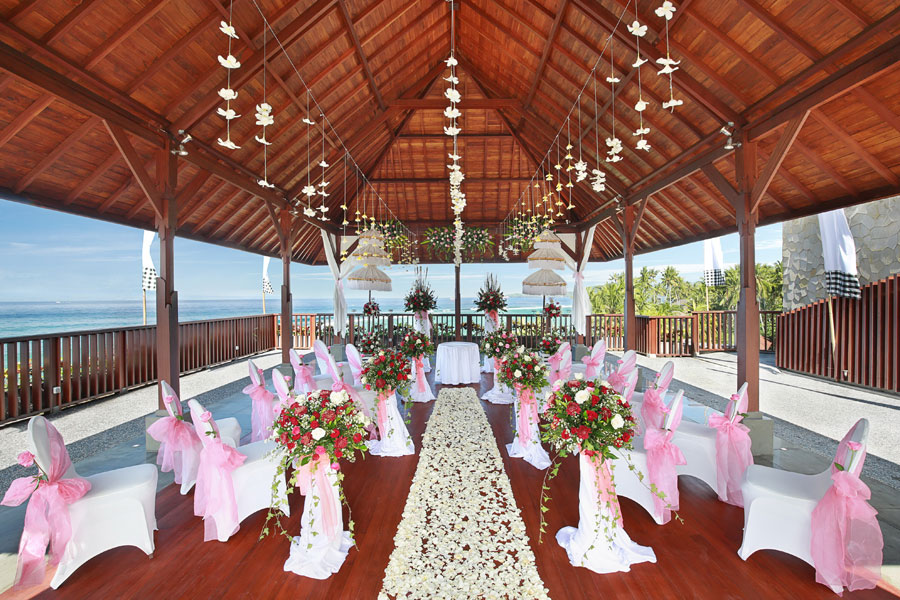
[(360, 54), (136, 164), (772, 165), (545, 53), (58, 151)]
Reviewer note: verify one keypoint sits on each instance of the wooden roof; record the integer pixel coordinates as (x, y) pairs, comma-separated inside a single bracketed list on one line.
[(92, 90)]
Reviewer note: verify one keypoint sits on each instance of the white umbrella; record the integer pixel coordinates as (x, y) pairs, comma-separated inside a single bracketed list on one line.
[(369, 278), (544, 282)]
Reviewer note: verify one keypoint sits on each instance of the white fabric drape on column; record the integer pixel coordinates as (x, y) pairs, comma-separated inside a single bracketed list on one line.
[(580, 300), (338, 271)]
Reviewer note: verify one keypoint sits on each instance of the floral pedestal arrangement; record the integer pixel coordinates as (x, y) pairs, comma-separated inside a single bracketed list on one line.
[(312, 433), (386, 373), (524, 372), (589, 419), (495, 346), (420, 300), (490, 301), (416, 346)]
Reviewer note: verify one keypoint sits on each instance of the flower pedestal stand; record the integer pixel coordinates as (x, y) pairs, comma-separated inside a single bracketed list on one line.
[(420, 391), (322, 546), (422, 324), (393, 437), (499, 394), (527, 443), (600, 543)]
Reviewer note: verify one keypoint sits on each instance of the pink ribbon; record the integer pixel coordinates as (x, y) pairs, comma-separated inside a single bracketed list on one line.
[(381, 413), (528, 413), (653, 409), (846, 543), (593, 364), (319, 469), (733, 454), (662, 458), (617, 381), (175, 437), (47, 521), (420, 374), (602, 480), (262, 414), (304, 377), (214, 497)]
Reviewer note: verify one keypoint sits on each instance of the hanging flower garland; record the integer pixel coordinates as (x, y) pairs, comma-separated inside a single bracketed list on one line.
[(229, 63), (264, 118), (639, 31), (457, 197), (443, 241), (667, 11), (323, 208)]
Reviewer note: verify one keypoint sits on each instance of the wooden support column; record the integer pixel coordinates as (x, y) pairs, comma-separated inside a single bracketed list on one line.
[(628, 227), (457, 304), (167, 349), (287, 311), (748, 305)]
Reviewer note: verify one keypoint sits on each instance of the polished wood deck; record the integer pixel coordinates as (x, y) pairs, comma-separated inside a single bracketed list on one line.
[(695, 560)]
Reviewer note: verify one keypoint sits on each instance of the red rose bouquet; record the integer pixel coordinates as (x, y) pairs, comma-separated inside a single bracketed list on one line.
[(368, 342), (421, 297), (553, 309), (496, 345), (387, 371), (490, 298), (549, 344), (587, 416), (371, 308), (523, 369), (415, 344)]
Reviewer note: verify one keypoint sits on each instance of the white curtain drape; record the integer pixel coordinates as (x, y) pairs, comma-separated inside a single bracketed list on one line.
[(339, 271), (148, 277), (580, 301)]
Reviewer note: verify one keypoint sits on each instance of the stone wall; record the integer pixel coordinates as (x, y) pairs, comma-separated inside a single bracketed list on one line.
[(876, 231)]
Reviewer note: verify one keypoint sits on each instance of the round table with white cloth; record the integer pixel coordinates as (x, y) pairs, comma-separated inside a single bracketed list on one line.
[(457, 362)]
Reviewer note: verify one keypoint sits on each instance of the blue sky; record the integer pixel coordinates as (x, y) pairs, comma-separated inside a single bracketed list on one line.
[(53, 256)]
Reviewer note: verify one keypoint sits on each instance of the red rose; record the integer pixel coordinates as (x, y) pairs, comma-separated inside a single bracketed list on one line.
[(306, 439), (338, 453), (565, 434), (607, 414), (301, 410), (341, 442), (591, 415), (595, 400), (573, 384), (335, 433), (583, 432), (572, 409), (329, 415), (357, 438), (290, 446), (313, 424), (380, 383)]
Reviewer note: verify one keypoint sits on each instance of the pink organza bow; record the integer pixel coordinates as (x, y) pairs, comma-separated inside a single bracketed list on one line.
[(528, 413), (47, 519), (653, 409), (262, 414), (662, 458), (214, 497), (303, 379), (319, 469), (733, 454), (846, 541), (602, 480), (381, 413), (561, 363), (175, 437), (592, 362), (420, 374)]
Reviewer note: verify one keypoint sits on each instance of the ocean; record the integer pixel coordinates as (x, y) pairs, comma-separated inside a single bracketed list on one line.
[(36, 318)]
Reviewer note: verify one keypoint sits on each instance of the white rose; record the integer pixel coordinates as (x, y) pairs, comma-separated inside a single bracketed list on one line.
[(517, 373), (617, 422), (581, 396), (527, 358), (548, 396), (362, 380), (318, 433), (338, 398), (579, 376)]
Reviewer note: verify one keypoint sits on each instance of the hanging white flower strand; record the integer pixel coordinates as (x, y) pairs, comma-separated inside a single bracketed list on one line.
[(229, 63), (667, 11), (456, 176), (614, 144), (581, 165), (322, 183), (264, 117), (598, 177), (639, 31)]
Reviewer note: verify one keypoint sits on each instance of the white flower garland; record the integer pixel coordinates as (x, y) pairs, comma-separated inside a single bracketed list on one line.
[(461, 535)]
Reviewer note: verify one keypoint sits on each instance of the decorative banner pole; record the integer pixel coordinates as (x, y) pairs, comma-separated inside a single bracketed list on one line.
[(713, 266), (266, 284), (148, 279)]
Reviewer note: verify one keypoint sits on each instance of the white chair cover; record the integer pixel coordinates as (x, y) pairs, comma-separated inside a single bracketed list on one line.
[(354, 360)]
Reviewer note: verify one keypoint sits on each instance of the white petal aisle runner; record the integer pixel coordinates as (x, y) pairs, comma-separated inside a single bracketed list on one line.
[(461, 535)]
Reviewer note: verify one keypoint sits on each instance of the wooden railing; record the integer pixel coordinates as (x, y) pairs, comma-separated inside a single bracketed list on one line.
[(42, 373), (867, 338)]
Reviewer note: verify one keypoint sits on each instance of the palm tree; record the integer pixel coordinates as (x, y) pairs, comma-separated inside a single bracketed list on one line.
[(671, 280)]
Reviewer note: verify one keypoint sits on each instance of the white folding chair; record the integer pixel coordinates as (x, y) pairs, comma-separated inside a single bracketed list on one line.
[(778, 504), (661, 383), (328, 366), (229, 427), (698, 444), (118, 510), (627, 483), (253, 479)]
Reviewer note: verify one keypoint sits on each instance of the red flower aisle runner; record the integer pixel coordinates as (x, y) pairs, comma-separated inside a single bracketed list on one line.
[(461, 535)]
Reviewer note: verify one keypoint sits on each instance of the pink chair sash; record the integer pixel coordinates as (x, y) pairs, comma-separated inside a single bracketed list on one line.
[(420, 374), (214, 497), (561, 363), (318, 469), (355, 362), (262, 412), (733, 454), (601, 479), (325, 358), (47, 521), (527, 412), (653, 409), (175, 436), (846, 542), (303, 377), (662, 458), (594, 361)]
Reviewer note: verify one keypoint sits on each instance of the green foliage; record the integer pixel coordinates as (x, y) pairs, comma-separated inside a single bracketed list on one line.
[(666, 292)]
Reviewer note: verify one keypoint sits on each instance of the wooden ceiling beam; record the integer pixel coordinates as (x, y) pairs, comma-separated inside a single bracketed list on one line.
[(70, 20), (465, 104), (215, 211), (57, 152), (360, 55), (114, 197), (24, 118), (123, 32), (189, 198), (857, 148), (85, 183), (545, 53), (788, 136), (136, 165), (826, 168)]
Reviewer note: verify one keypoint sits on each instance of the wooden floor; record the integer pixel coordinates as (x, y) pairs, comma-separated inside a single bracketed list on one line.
[(695, 560)]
